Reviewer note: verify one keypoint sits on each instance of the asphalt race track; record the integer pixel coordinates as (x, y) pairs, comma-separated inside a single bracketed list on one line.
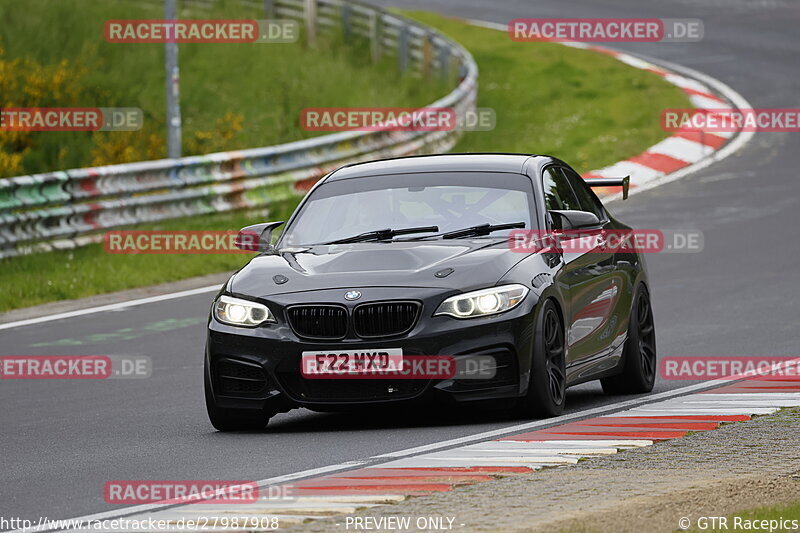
[(63, 440)]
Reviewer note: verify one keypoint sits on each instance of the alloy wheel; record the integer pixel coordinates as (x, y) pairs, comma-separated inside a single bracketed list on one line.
[(554, 355)]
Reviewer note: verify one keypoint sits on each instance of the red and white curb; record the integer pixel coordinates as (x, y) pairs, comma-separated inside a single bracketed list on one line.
[(674, 153), (396, 476), (683, 152)]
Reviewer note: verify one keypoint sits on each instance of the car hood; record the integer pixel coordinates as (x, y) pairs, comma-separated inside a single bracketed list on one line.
[(474, 262)]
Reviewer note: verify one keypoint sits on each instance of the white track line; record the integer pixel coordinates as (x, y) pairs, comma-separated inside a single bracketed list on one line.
[(777, 402), (505, 446), (575, 444), (509, 455), (111, 307), (754, 396), (585, 452), (663, 411), (428, 462)]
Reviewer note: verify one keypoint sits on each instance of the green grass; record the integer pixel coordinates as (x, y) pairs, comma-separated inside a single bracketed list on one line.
[(583, 107), (39, 278), (586, 108), (265, 85)]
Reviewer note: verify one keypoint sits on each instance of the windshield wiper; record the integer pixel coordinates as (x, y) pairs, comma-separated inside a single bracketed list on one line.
[(383, 234), (480, 230)]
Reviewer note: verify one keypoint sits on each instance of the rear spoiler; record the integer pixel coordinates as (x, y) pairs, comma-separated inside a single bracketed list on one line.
[(611, 182)]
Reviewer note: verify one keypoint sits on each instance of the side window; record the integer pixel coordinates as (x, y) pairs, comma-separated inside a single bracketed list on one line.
[(557, 192), (588, 200)]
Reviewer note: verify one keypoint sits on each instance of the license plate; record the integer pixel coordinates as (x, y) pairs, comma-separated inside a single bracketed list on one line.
[(339, 362)]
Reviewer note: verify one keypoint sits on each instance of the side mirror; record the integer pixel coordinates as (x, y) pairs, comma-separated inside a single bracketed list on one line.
[(566, 219), (256, 238)]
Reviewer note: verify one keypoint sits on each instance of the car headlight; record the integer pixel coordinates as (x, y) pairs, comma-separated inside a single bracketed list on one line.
[(484, 302), (238, 312)]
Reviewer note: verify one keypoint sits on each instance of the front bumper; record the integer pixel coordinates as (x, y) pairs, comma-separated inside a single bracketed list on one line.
[(256, 367)]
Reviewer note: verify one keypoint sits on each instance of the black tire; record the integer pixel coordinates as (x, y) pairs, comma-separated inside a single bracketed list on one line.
[(639, 354), (234, 419), (547, 393)]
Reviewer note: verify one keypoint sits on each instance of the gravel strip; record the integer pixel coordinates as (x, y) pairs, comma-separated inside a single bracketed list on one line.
[(712, 473)]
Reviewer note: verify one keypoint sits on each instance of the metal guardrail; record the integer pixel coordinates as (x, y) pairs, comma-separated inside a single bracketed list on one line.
[(70, 208)]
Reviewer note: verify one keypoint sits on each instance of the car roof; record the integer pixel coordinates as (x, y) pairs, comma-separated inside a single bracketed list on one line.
[(488, 162)]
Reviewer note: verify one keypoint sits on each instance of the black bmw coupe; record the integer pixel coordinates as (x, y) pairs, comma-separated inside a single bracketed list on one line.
[(388, 266)]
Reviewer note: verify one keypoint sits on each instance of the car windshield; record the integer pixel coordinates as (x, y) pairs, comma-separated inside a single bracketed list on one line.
[(345, 208)]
